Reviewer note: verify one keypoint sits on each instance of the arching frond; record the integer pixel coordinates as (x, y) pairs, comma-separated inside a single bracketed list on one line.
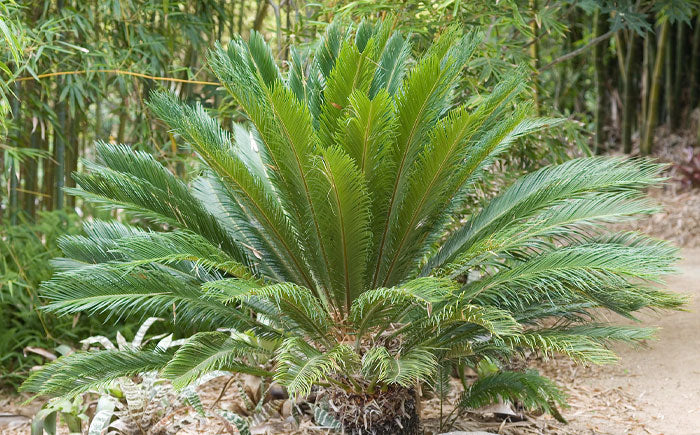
[(529, 388), (213, 145), (578, 347), (209, 351), (135, 181), (179, 246), (300, 366), (264, 60), (82, 371), (138, 291), (300, 306), (343, 208), (547, 187), (384, 306), (424, 96), (403, 369)]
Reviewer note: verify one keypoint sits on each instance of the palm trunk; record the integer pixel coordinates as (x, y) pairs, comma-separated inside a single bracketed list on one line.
[(628, 94), (601, 107), (647, 144), (399, 412)]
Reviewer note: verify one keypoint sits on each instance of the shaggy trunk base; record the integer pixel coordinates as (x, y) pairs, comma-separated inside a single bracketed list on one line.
[(390, 412)]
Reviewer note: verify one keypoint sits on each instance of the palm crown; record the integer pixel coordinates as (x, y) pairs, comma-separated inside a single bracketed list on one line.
[(326, 216)]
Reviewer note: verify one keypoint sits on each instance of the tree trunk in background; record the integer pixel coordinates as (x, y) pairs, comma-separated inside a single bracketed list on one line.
[(60, 152), (678, 76), (123, 119), (260, 14), (600, 26), (695, 60), (669, 104), (535, 55), (647, 144), (241, 14), (628, 99), (71, 158), (14, 176), (98, 119), (30, 166), (47, 176)]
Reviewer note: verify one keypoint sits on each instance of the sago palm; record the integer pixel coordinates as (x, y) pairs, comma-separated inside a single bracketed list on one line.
[(315, 246)]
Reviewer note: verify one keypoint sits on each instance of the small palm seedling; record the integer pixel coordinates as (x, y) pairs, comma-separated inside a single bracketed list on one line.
[(317, 233)]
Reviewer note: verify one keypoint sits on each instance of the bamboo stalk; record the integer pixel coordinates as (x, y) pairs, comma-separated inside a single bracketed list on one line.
[(535, 55), (14, 179), (678, 70), (647, 144), (601, 112), (669, 104), (47, 173), (627, 95), (694, 63), (60, 144)]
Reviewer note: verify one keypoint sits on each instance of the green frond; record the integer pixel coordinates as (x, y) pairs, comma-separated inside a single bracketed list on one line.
[(205, 352), (135, 181), (606, 333), (250, 193), (368, 135), (328, 48), (299, 305), (296, 79), (391, 70), (579, 347), (264, 60), (590, 269), (353, 72), (235, 219), (450, 320), (548, 187), (456, 326), (340, 191), (439, 172), (138, 291), (300, 366), (82, 371), (405, 369), (424, 96), (529, 388), (181, 246), (384, 306)]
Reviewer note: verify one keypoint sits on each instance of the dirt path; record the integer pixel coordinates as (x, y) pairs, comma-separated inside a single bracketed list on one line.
[(665, 377)]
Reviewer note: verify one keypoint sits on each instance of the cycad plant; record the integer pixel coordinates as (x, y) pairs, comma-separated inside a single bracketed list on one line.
[(315, 247)]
